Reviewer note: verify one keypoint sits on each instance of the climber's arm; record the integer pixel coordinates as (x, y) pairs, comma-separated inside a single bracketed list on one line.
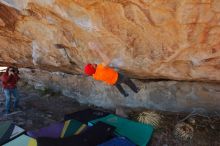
[(96, 47)]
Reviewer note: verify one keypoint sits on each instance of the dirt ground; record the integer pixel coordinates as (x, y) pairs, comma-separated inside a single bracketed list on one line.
[(40, 108), (206, 131)]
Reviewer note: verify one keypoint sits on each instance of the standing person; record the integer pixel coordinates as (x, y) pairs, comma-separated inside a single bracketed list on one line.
[(9, 82), (110, 76)]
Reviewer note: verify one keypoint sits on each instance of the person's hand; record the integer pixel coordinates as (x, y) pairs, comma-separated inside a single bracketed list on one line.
[(104, 64), (11, 73)]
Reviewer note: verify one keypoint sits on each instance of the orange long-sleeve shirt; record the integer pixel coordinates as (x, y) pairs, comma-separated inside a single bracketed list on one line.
[(106, 74)]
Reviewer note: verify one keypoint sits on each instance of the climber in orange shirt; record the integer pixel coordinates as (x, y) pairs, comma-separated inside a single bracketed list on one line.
[(109, 76)]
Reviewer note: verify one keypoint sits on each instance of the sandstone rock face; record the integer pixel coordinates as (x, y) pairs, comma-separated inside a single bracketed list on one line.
[(144, 39), (161, 95), (171, 39)]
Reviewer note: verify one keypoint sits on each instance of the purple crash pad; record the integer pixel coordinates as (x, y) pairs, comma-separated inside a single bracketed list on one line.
[(52, 131)]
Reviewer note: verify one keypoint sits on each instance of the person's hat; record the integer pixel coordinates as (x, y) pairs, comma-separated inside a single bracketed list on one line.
[(89, 69)]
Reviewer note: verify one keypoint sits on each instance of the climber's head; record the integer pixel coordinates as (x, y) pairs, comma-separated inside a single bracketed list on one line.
[(90, 69)]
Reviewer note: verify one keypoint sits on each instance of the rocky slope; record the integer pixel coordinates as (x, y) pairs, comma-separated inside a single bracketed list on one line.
[(172, 39), (158, 95), (37, 112)]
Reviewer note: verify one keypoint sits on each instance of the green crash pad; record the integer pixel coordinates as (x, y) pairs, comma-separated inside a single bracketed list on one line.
[(72, 127), (22, 140), (9, 131), (4, 127), (136, 132)]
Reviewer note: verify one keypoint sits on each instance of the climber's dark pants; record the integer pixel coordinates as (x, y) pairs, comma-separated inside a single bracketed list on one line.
[(128, 82)]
